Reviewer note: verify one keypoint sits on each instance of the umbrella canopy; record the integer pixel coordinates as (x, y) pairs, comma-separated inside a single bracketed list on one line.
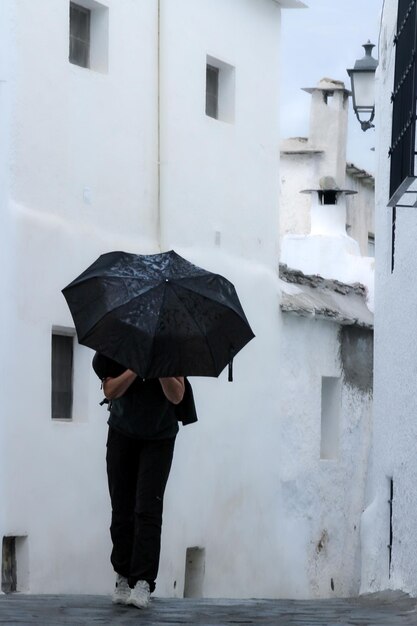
[(158, 314)]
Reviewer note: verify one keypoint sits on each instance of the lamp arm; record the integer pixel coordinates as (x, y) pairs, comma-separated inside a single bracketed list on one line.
[(368, 123)]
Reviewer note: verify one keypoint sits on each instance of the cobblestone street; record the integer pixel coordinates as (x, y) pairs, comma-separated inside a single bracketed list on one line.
[(389, 608)]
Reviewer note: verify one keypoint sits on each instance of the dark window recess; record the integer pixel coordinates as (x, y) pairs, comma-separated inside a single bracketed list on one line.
[(212, 91), (8, 565), (327, 96), (328, 197), (79, 49), (62, 374), (194, 572)]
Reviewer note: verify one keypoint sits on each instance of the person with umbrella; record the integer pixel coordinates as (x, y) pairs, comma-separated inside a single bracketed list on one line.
[(143, 426), (153, 320)]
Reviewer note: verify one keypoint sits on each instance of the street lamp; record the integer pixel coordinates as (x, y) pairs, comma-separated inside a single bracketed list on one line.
[(362, 78)]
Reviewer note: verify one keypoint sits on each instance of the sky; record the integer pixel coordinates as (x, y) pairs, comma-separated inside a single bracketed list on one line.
[(322, 41)]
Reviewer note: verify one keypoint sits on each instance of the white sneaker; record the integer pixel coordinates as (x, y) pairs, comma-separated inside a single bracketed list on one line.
[(140, 595), (121, 591)]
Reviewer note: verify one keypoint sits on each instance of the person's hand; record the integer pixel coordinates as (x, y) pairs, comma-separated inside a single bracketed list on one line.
[(173, 388), (114, 388)]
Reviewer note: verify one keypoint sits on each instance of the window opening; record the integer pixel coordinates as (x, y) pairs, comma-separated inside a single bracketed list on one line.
[(62, 376), (328, 196), (220, 90), (15, 564), (328, 97), (8, 565), (79, 52), (330, 417), (212, 91), (194, 572)]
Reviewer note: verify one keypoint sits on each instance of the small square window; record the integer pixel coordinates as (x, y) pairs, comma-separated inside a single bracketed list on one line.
[(79, 50), (62, 376)]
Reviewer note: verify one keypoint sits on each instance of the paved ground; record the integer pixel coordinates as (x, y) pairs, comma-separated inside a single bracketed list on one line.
[(386, 609)]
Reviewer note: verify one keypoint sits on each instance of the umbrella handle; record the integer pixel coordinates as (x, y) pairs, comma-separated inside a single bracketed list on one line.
[(230, 377), (105, 401)]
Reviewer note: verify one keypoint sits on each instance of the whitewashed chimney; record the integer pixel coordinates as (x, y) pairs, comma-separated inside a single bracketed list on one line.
[(328, 208), (328, 126)]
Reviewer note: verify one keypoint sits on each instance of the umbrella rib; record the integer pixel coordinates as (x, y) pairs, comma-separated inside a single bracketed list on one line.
[(120, 306), (157, 323), (198, 326), (225, 304), (99, 298)]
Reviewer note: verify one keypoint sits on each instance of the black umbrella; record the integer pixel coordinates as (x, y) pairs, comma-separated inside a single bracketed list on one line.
[(158, 314)]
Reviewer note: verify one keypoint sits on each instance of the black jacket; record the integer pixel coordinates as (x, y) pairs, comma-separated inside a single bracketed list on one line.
[(185, 410)]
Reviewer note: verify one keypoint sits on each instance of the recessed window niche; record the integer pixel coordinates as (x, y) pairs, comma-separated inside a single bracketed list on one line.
[(220, 90), (14, 564), (70, 371), (330, 417), (194, 572), (62, 356), (89, 35)]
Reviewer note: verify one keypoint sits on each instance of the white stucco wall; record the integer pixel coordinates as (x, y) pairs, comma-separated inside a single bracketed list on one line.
[(223, 177), (6, 253), (360, 212), (78, 107), (328, 127), (247, 482), (84, 179), (322, 499), (73, 131), (297, 172), (395, 365), (220, 176)]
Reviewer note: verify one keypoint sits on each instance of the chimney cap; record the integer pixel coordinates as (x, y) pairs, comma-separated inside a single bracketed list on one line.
[(328, 183), (328, 85)]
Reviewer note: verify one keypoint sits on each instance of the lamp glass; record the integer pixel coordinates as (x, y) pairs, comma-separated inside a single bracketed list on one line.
[(363, 87)]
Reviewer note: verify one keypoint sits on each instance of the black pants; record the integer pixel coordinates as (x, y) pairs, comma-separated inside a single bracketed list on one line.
[(137, 471)]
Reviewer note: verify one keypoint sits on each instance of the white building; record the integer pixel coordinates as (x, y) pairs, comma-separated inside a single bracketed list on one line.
[(169, 139), (123, 155), (389, 529), (305, 160), (327, 339)]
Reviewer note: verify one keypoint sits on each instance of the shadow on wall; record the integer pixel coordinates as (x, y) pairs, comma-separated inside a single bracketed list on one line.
[(357, 357)]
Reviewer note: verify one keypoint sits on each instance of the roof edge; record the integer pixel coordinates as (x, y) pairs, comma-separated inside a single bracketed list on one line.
[(291, 4), (297, 277)]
